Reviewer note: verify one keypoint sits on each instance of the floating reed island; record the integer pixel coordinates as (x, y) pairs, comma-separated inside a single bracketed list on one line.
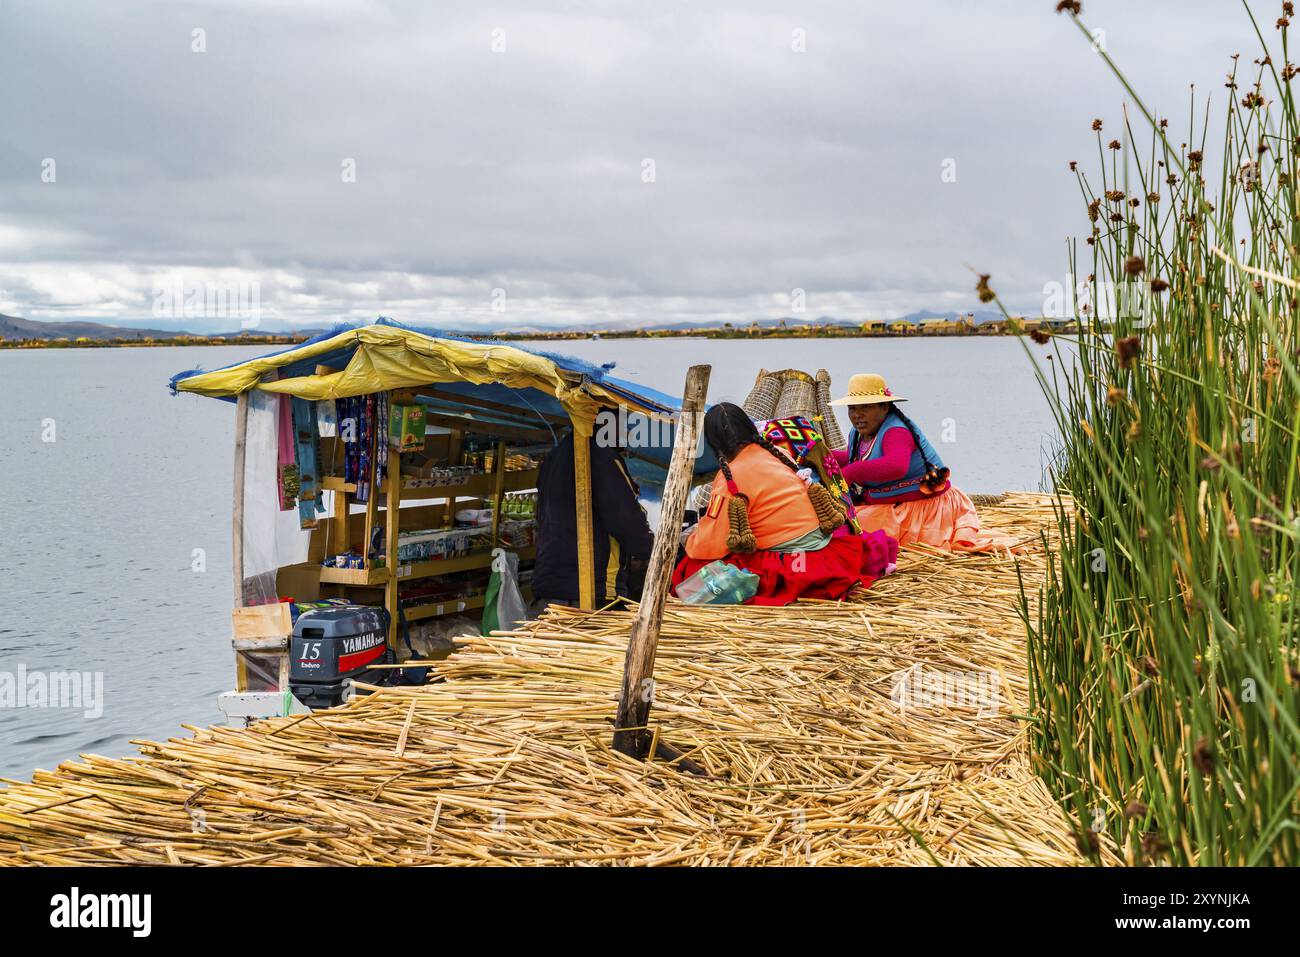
[(804, 749)]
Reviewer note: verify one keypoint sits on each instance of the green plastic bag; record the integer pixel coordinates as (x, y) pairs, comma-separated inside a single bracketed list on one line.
[(503, 607)]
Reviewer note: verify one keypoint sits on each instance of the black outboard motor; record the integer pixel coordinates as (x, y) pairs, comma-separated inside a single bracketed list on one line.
[(333, 645)]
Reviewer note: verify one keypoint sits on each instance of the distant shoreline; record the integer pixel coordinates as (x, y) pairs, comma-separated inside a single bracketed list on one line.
[(748, 333)]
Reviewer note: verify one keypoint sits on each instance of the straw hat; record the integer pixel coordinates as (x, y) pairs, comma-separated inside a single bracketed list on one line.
[(867, 388)]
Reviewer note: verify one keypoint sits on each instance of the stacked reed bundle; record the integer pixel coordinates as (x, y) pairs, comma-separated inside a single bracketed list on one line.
[(798, 395), (790, 392), (830, 426), (508, 759), (762, 398)]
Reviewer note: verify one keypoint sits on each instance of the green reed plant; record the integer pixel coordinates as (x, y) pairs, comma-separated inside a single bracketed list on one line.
[(1164, 651)]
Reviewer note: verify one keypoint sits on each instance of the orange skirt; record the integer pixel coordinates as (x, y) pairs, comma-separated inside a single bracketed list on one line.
[(947, 522)]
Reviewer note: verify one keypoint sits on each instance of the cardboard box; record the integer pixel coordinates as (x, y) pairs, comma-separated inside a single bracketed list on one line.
[(406, 427)]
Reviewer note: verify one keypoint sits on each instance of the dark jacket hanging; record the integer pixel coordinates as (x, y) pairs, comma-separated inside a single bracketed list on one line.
[(620, 530)]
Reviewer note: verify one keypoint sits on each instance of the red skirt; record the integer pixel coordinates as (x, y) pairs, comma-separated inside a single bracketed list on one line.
[(830, 573)]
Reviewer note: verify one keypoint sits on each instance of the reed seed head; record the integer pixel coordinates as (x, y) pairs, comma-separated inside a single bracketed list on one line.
[(1203, 757), (1127, 350)]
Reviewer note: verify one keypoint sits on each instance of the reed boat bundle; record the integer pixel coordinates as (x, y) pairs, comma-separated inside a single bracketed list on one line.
[(793, 713), (791, 392)]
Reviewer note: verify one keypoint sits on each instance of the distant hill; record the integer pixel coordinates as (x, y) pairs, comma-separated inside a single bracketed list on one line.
[(11, 327)]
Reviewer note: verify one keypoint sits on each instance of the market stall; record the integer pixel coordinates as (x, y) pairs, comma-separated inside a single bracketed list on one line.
[(383, 465)]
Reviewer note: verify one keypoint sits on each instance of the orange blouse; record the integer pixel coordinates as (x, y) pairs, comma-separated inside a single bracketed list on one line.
[(779, 507)]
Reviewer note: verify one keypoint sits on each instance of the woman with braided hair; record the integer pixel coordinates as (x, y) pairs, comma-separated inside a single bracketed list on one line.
[(899, 479), (764, 518)]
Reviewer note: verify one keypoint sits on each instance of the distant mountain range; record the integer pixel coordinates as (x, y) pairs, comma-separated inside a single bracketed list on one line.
[(11, 327)]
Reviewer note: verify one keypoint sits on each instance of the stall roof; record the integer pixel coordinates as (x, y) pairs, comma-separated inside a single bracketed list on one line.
[(386, 355)]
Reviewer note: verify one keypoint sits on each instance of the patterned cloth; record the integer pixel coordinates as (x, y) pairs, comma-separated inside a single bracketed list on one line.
[(804, 443), (307, 442)]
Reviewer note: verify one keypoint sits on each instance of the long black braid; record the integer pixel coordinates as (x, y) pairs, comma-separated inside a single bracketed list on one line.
[(934, 476), (728, 429), (916, 435)]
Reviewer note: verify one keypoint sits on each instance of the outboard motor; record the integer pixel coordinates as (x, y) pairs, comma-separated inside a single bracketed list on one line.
[(331, 646)]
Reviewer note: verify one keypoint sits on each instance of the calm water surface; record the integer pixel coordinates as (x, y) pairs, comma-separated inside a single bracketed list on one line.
[(116, 552)]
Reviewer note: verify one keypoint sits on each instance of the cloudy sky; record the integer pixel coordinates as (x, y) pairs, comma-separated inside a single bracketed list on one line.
[(510, 165)]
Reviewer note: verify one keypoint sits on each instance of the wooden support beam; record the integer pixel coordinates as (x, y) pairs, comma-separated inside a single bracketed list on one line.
[(467, 423), (237, 525), (498, 490), (631, 735), (586, 539), (392, 529), (528, 418)]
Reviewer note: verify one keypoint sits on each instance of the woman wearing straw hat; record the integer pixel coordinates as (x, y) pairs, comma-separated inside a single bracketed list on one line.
[(764, 518), (899, 479)]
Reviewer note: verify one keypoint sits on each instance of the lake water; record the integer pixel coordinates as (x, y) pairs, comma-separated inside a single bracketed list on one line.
[(116, 503)]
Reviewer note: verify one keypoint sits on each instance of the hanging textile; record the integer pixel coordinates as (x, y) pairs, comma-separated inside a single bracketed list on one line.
[(287, 467), (381, 437), (356, 431), (307, 442), (804, 443), (366, 449)]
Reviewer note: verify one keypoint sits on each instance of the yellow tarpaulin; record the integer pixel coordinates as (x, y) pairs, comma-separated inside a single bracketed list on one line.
[(390, 357)]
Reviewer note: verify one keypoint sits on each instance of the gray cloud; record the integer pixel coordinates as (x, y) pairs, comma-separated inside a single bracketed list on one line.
[(522, 170)]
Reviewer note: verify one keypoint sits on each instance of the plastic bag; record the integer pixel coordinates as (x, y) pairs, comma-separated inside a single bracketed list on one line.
[(503, 607), (718, 583)]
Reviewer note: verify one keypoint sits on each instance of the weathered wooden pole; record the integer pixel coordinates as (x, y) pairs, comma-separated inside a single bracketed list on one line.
[(583, 503), (237, 524), (631, 735)]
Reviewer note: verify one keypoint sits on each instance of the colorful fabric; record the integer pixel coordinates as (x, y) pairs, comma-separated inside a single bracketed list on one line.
[(356, 429), (381, 441), (307, 446), (948, 522), (806, 445), (287, 476), (847, 562)]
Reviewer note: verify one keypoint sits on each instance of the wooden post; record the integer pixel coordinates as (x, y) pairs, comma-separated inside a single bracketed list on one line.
[(392, 533), (498, 490), (237, 525), (631, 736), (586, 540)]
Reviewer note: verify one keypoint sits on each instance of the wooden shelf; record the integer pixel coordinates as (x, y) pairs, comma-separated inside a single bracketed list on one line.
[(448, 566), (376, 577), (362, 577), (449, 606), (480, 486), (455, 606)]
